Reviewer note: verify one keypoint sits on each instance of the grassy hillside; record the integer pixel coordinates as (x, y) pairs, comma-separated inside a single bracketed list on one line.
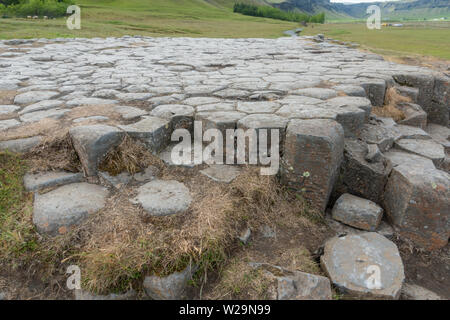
[(417, 38), (193, 18)]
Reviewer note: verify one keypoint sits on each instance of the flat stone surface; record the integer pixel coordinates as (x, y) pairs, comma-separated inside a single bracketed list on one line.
[(36, 181), (221, 172), (129, 113), (258, 107), (39, 115), (153, 131), (34, 96), (163, 197), (365, 265), (426, 148), (20, 145), (357, 212), (56, 211), (6, 124), (8, 109), (42, 105)]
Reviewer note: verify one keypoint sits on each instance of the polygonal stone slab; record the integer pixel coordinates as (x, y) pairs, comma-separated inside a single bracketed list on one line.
[(56, 211), (426, 148), (163, 197), (153, 131), (258, 107), (314, 147), (416, 200), (365, 265), (92, 143), (221, 172), (34, 96), (357, 212), (35, 181), (171, 287), (180, 115)]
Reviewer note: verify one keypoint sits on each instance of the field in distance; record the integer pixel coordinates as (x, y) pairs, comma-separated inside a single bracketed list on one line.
[(180, 18), (422, 38)]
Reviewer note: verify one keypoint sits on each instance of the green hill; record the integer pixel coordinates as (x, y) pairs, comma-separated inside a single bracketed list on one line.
[(193, 18)]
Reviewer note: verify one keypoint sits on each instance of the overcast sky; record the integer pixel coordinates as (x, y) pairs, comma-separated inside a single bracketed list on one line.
[(359, 1)]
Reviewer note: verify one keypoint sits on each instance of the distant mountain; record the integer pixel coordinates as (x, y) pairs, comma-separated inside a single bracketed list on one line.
[(412, 9)]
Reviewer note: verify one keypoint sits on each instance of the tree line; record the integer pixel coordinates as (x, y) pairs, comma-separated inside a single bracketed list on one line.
[(24, 8), (275, 13)]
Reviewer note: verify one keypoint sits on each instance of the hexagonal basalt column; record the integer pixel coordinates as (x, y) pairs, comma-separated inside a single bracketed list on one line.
[(314, 147)]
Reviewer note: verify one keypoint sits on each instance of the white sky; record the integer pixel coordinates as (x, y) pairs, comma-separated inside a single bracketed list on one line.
[(359, 1)]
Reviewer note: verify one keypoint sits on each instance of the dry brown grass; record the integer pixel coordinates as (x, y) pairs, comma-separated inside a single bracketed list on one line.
[(54, 153), (7, 96), (130, 156), (392, 99), (117, 246)]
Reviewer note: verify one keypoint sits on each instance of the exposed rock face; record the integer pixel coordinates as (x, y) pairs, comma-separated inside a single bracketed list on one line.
[(414, 115), (20, 145), (171, 287), (153, 131), (163, 197), (360, 177), (56, 211), (314, 147), (417, 202), (42, 180), (221, 172), (92, 143), (415, 292), (296, 285), (364, 265), (357, 212), (426, 148)]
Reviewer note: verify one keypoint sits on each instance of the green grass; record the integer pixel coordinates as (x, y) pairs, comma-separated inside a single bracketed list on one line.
[(417, 38), (17, 236), (112, 18)]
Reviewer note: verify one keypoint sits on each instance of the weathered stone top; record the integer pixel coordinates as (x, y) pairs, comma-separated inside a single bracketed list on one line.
[(298, 76)]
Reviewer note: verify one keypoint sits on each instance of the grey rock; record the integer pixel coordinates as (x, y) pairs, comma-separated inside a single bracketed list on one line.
[(163, 197), (148, 174), (42, 105), (412, 93), (373, 153), (245, 236), (375, 91), (314, 147), (296, 285), (20, 145), (85, 295), (440, 134), (426, 148), (352, 262), (58, 210), (34, 96), (171, 287), (415, 292), (357, 212), (318, 93), (92, 142), (90, 101), (359, 176), (221, 172), (350, 90), (116, 181), (8, 124), (153, 131), (36, 181), (416, 202), (129, 113), (8, 109), (92, 118), (39, 115), (181, 116), (258, 107), (414, 115)]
